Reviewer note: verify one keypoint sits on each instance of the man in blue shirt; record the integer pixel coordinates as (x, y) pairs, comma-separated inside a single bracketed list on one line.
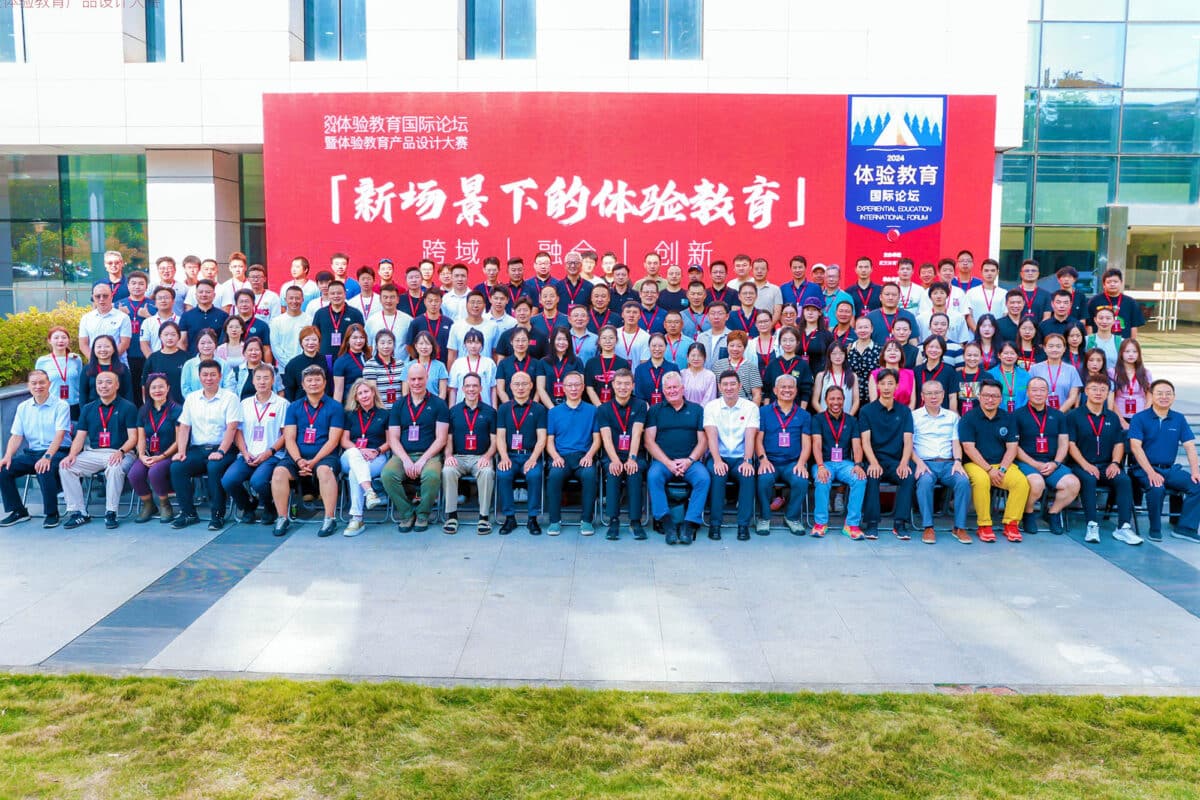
[(1155, 436), (675, 439), (798, 289), (40, 424), (572, 442), (784, 447), (312, 431)]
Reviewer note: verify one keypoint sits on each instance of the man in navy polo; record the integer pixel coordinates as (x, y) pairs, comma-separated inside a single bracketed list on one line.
[(675, 439), (887, 431), (417, 432), (1155, 436), (312, 429), (621, 422), (784, 447), (520, 442)]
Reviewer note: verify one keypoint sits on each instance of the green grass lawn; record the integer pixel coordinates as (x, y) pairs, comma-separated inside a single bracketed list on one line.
[(67, 737)]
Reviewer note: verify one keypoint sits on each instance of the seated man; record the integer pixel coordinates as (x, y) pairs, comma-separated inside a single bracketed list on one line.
[(417, 432), (887, 430), (1155, 436), (208, 426), (989, 440), (259, 439), (469, 451), (41, 424), (104, 440), (837, 449), (520, 442), (621, 422), (1043, 439), (731, 425), (784, 447), (675, 440), (938, 457), (312, 429), (1095, 423), (572, 442)]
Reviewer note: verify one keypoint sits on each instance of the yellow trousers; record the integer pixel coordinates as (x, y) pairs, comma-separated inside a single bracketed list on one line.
[(1015, 484)]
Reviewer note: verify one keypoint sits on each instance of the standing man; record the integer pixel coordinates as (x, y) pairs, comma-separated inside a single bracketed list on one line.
[(104, 319), (1037, 301), (1060, 320), (114, 265), (41, 423), (417, 431), (741, 271), (887, 434), (312, 428), (237, 281), (651, 263), (208, 427), (722, 291), (913, 298), (574, 290), (650, 316), (520, 442), (105, 439), (769, 295), (600, 310), (883, 319), (572, 442), (433, 322), (798, 289), (267, 304), (1127, 310), (413, 299), (621, 290), (1100, 465), (938, 457), (583, 341), (203, 315), (515, 288), (985, 296), (731, 427), (695, 315), (471, 319), (389, 317), (989, 440), (1079, 302), (339, 265), (633, 342), (784, 447), (676, 440), (541, 277), (716, 338), (333, 320), (137, 307), (164, 266), (966, 263), (299, 272), (469, 451), (1043, 445), (285, 328), (833, 295), (1155, 436), (621, 422), (864, 293), (454, 302)]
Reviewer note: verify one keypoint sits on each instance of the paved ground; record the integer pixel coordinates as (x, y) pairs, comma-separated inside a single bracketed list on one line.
[(778, 612)]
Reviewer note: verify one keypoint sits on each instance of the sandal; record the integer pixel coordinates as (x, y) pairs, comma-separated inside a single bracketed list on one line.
[(451, 525), (484, 525)]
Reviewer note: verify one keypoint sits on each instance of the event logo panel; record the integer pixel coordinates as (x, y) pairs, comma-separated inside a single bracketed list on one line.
[(457, 177)]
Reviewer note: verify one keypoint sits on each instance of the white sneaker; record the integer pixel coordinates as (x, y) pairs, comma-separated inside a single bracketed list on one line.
[(354, 528), (1125, 534), (373, 501), (1093, 533), (764, 526)]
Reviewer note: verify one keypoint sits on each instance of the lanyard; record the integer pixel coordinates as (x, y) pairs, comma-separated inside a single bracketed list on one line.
[(787, 366), (1010, 386), (366, 309), (356, 358), (566, 284), (698, 325), (806, 340), (737, 366), (363, 426), (389, 367), (864, 297), (558, 370), (1052, 379), (628, 344), (1116, 306), (837, 435), (783, 423), (838, 378), (624, 423), (257, 413), (675, 348), (518, 366), (657, 379), (517, 424), (312, 418), (934, 376), (478, 361), (415, 415), (599, 324), (470, 420), (1029, 297), (155, 425), (653, 318), (1028, 359), (136, 306), (337, 321), (906, 296), (987, 301), (412, 304), (436, 330), (604, 370), (742, 316), (1041, 423), (1096, 429), (105, 418), (889, 323), (62, 371), (391, 326), (968, 381), (578, 340), (551, 322)]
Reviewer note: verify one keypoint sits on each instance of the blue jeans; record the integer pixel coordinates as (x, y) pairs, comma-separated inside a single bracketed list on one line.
[(234, 482), (557, 478), (716, 494), (533, 480), (656, 483), (941, 472), (840, 471), (797, 485)]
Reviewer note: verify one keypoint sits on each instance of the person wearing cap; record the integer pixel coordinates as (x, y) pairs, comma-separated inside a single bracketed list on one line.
[(798, 289)]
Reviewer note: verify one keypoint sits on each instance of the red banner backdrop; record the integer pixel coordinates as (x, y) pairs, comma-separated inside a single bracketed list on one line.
[(459, 177)]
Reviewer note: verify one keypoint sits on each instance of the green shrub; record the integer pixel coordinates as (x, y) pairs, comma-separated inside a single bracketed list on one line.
[(23, 338)]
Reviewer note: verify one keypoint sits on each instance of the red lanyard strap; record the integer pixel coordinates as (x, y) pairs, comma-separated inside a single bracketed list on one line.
[(312, 418), (1041, 423), (156, 425), (470, 420), (103, 418), (362, 427), (624, 423), (837, 435)]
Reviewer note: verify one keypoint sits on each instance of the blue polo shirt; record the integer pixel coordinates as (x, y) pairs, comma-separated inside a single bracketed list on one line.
[(325, 416), (571, 427), (197, 319), (1160, 437), (772, 421)]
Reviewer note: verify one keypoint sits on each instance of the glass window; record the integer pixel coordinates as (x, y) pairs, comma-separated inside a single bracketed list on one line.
[(1082, 55), (1035, 9), (1029, 123), (1161, 122), (104, 186), (1077, 121), (1055, 248), (1163, 57), (1164, 9), (664, 29), (253, 204), (1154, 179), (8, 31), (30, 187), (156, 32), (36, 251), (1072, 190), (334, 30), (1014, 243), (84, 244), (1017, 177), (1084, 9), (254, 242), (501, 28), (1033, 50)]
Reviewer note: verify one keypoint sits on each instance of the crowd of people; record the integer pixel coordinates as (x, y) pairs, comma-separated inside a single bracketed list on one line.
[(940, 377)]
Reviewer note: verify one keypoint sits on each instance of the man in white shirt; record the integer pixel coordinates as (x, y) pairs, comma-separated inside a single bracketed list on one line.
[(937, 456), (259, 437), (366, 301), (913, 298), (731, 425), (388, 317), (208, 426), (769, 295), (266, 302), (164, 304), (285, 328), (300, 278), (498, 320), (237, 281), (104, 319), (454, 302), (471, 320), (958, 296), (633, 342), (988, 297)]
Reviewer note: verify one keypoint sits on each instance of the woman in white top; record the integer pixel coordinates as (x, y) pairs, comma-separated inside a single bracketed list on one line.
[(473, 362)]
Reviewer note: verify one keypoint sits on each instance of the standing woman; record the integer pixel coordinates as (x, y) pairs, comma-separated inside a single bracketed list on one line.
[(1131, 381), (383, 369), (699, 384), (206, 350), (561, 361), (1028, 352), (647, 378), (814, 337), (600, 368), (309, 356), (167, 360), (789, 361), (862, 357), (64, 368), (150, 474), (351, 359), (1095, 362), (892, 357), (426, 348), (985, 337), (364, 449), (765, 344), (737, 361), (939, 325), (104, 359), (934, 368), (522, 360), (969, 376), (837, 373), (233, 334), (1104, 338), (1076, 336), (1062, 379), (1012, 376), (240, 379)]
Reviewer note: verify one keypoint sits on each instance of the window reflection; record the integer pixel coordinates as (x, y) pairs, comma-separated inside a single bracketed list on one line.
[(1158, 180), (1078, 121), (1086, 55), (335, 30), (1017, 177), (1071, 190), (1161, 122), (1163, 57), (501, 29)]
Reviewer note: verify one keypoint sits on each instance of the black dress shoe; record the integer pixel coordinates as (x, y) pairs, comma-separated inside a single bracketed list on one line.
[(613, 533), (184, 520), (327, 528), (1029, 524), (714, 533), (510, 525), (639, 532), (534, 528), (743, 533), (217, 522), (14, 518), (671, 530), (51, 520)]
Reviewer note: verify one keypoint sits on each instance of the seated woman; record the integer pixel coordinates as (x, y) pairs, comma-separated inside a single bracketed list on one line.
[(150, 475), (104, 359), (364, 449)]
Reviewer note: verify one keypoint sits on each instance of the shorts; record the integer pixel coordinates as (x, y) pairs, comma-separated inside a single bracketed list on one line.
[(331, 461), (1052, 479)]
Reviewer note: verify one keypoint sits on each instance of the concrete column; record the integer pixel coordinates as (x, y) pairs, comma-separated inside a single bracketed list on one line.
[(192, 203)]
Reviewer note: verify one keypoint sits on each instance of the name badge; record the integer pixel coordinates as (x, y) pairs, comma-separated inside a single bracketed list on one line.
[(361, 443), (310, 435), (967, 405), (1042, 444), (135, 326), (655, 398), (391, 396), (64, 392), (517, 441), (1012, 406), (1130, 406), (471, 441), (1052, 401), (605, 394), (1117, 325), (105, 439), (835, 453), (785, 439), (414, 433), (335, 339), (258, 434), (558, 389), (154, 445), (624, 441)]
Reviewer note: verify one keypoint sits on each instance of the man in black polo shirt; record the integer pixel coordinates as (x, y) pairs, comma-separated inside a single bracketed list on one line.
[(1097, 447), (469, 451), (204, 315), (520, 442), (333, 320), (988, 435), (675, 439), (1060, 320), (417, 431), (621, 422), (1042, 448), (887, 431), (105, 439)]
